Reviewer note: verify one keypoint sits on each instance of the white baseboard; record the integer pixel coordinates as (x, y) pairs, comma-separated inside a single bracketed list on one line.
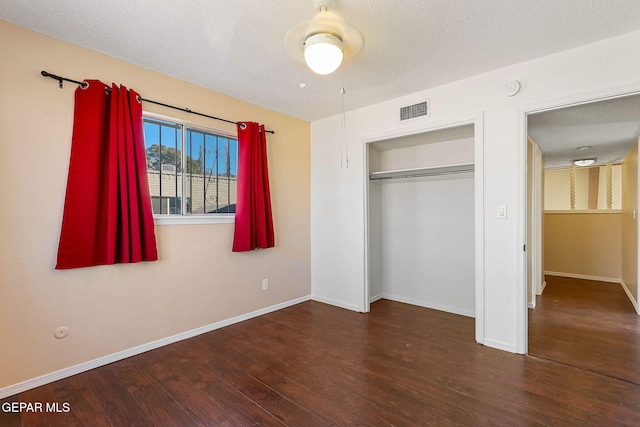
[(351, 307), (105, 360), (375, 298), (630, 295), (426, 304), (533, 303), (582, 276), (500, 345)]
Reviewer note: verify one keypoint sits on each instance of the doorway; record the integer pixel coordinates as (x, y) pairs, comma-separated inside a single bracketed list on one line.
[(581, 268), (441, 158)]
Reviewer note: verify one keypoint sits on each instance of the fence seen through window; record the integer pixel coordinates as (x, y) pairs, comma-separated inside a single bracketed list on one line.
[(190, 170)]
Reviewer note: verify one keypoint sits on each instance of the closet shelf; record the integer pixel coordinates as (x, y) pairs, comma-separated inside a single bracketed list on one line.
[(423, 172)]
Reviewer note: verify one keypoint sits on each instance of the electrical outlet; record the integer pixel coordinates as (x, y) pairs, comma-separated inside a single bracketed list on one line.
[(265, 284)]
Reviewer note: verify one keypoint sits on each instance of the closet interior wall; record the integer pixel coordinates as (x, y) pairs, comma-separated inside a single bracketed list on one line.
[(421, 229)]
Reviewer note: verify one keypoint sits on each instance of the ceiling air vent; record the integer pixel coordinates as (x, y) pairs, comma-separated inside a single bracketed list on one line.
[(416, 110)]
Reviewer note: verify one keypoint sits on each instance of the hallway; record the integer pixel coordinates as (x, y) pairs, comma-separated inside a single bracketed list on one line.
[(589, 325)]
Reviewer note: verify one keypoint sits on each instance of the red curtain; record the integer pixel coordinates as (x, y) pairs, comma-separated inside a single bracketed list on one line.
[(107, 210), (254, 222)]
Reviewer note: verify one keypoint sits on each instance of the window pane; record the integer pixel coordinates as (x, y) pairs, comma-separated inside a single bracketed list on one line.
[(194, 171), (211, 172), (208, 177), (228, 175), (163, 142)]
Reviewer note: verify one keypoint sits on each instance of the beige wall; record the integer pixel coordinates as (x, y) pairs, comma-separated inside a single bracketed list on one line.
[(583, 243), (197, 281), (630, 223), (557, 191)]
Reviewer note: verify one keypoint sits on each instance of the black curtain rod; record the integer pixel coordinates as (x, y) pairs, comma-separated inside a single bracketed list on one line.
[(186, 110)]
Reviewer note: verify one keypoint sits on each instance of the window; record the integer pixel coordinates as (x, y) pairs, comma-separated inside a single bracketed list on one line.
[(192, 170)]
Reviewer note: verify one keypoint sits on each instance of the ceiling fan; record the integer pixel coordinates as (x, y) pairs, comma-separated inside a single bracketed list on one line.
[(324, 42)]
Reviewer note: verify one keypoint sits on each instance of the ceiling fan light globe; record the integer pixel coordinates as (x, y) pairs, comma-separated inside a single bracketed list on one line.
[(323, 53)]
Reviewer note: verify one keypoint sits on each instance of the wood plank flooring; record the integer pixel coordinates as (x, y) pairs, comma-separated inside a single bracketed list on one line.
[(587, 324), (318, 365)]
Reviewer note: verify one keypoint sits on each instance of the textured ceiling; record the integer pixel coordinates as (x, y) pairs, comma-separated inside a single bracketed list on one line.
[(237, 47), (609, 127)]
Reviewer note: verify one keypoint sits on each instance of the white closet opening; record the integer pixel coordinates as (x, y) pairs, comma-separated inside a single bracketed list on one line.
[(421, 220)]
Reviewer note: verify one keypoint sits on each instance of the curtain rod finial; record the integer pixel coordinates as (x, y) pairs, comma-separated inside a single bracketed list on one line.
[(53, 76)]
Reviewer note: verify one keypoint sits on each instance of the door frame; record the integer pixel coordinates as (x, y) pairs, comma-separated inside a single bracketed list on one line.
[(477, 120), (522, 317)]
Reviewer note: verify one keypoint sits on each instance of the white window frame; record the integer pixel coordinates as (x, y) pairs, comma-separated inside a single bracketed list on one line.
[(174, 219)]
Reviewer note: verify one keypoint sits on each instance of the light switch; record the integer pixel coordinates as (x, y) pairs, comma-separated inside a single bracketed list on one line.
[(502, 212)]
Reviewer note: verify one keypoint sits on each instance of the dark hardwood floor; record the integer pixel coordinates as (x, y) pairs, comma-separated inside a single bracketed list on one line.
[(317, 365), (587, 324)]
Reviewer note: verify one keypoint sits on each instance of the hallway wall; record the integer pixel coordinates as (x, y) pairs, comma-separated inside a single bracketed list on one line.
[(584, 244), (630, 225)]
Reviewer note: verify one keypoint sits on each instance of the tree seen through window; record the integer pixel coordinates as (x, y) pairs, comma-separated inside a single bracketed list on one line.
[(205, 185)]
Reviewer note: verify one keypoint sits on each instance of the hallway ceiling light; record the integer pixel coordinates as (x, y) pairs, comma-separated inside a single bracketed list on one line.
[(584, 162)]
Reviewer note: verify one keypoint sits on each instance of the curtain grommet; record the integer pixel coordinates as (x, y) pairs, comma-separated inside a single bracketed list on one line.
[(243, 126), (84, 85)]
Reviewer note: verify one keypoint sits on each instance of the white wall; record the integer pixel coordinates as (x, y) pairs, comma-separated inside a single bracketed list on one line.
[(428, 243), (421, 230), (337, 194), (447, 152)]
